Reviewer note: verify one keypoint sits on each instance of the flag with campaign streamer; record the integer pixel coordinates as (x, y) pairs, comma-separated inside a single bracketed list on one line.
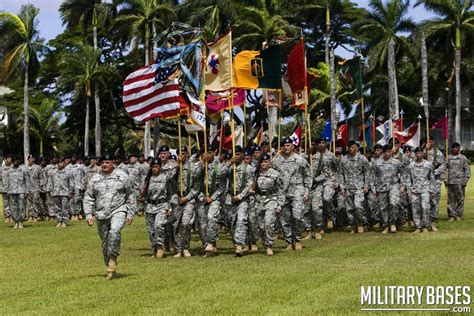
[(443, 125), (258, 69), (144, 99), (218, 74)]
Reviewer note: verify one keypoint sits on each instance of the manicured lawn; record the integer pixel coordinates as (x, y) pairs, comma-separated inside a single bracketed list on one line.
[(48, 270)]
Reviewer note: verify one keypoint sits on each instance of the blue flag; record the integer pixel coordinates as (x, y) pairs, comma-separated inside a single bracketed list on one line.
[(327, 132)]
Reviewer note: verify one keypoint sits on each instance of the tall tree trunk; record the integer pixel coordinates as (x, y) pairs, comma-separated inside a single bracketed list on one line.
[(86, 128), (424, 75), (26, 112), (146, 137), (457, 120), (41, 147), (328, 35), (98, 131), (156, 128), (392, 82)]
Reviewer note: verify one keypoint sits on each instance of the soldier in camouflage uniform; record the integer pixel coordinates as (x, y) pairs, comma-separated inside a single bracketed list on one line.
[(7, 165), (297, 182), (43, 189), (254, 229), (269, 200), (459, 173), (16, 185), (158, 210), (108, 199), (397, 153), (373, 208), (210, 204), (62, 188), (419, 184), (33, 202), (76, 173), (355, 184), (387, 187), (437, 159), (184, 213), (91, 169), (322, 192), (50, 204), (237, 201)]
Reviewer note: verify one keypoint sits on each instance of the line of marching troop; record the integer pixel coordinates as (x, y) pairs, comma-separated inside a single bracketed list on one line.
[(254, 195)]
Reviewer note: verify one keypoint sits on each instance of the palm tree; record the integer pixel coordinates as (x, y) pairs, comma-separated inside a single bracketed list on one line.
[(86, 13), (137, 21), (256, 26), (454, 25), (22, 33), (82, 68), (381, 28)]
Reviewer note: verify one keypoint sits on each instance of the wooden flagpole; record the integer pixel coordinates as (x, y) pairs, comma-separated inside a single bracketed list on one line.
[(180, 162), (447, 165), (232, 127), (189, 145), (198, 145)]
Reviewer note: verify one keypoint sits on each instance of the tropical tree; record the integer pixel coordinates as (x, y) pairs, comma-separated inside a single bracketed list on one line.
[(138, 21), (83, 69), (21, 34), (85, 13), (454, 25), (381, 29)]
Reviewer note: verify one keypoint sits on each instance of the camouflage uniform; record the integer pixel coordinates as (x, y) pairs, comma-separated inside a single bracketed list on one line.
[(34, 205), (89, 173), (157, 207), (387, 175), (50, 203), (438, 161), (322, 193), (373, 213), (269, 201), (76, 173), (419, 183), (109, 198), (354, 178), (238, 212), (208, 214), (62, 187), (404, 212), (3, 190), (459, 173), (184, 215), (44, 191), (16, 185), (297, 182), (171, 170), (254, 228)]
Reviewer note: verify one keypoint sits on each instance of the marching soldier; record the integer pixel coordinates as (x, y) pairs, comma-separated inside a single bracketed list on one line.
[(108, 199), (322, 193), (459, 173), (210, 205), (355, 184), (437, 159), (237, 200), (269, 200), (155, 195), (297, 182), (170, 167), (254, 229), (7, 165), (33, 202), (419, 184), (387, 187), (62, 189), (184, 213), (76, 173), (16, 185)]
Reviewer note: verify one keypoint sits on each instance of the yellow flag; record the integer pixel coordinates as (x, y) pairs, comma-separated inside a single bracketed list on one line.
[(218, 74), (242, 74)]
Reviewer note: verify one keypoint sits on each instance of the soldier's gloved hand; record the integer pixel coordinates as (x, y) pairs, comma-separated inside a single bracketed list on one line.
[(235, 199), (209, 200), (90, 221)]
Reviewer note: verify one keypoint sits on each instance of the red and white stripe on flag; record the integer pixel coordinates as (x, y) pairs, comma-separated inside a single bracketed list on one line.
[(144, 99)]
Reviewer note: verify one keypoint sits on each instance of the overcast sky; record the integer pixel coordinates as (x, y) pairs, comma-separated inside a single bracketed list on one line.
[(50, 22)]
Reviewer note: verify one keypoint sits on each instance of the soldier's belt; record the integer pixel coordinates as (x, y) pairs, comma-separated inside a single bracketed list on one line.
[(159, 201)]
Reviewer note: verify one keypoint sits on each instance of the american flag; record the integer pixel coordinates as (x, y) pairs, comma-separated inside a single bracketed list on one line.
[(144, 98)]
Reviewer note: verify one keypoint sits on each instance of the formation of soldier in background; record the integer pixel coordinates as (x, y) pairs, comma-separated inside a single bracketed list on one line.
[(254, 195)]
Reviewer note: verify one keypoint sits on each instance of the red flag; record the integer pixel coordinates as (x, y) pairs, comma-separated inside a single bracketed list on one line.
[(398, 125), (443, 125), (219, 102), (296, 136), (145, 99), (296, 71), (343, 135), (407, 134)]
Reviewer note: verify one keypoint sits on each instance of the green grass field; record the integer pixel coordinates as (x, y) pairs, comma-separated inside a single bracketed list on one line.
[(48, 270)]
